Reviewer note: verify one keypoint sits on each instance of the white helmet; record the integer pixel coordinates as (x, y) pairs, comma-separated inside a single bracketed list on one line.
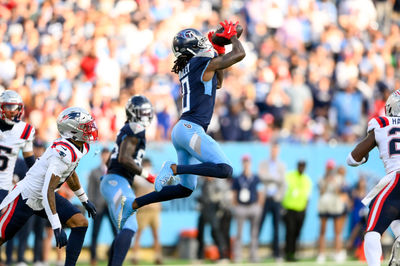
[(393, 104), (76, 123), (11, 101)]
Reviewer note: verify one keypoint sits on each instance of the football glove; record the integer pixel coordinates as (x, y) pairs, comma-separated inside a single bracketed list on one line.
[(229, 29), (220, 49), (61, 237), (151, 178), (91, 209)]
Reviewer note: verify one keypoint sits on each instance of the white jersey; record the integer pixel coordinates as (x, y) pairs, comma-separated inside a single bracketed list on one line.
[(63, 158), (20, 137), (387, 137)]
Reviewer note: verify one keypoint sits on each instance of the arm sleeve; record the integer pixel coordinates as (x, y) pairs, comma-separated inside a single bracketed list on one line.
[(56, 167), (28, 147)]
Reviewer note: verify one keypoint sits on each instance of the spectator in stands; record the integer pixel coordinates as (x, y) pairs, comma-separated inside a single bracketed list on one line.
[(210, 204), (98, 200), (75, 49), (247, 201), (295, 204), (272, 174), (148, 216), (358, 215), (332, 203), (348, 109)]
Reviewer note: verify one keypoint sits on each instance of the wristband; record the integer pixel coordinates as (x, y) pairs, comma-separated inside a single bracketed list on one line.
[(352, 162), (54, 221), (80, 193), (144, 173)]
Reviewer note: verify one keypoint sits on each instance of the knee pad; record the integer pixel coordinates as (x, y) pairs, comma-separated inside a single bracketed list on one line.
[(226, 170), (186, 192)]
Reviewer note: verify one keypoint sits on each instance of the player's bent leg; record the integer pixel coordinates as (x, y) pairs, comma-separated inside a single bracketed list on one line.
[(74, 219), (119, 197), (201, 146)]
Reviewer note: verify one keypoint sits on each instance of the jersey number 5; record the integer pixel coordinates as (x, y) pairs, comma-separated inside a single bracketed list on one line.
[(4, 158), (394, 148)]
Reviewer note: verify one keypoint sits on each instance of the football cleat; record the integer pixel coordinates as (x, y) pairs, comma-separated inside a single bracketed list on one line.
[(395, 255), (164, 176), (125, 212)]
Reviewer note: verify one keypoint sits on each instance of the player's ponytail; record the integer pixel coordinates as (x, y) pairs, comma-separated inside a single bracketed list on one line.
[(181, 62)]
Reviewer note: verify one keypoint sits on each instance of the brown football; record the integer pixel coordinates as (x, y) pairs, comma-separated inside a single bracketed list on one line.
[(224, 41)]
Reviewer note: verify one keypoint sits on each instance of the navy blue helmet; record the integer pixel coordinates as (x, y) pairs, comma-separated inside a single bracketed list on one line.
[(139, 109), (190, 42)]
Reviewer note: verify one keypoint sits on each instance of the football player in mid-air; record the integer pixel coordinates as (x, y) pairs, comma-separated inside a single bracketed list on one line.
[(384, 199), (35, 194), (124, 163), (200, 74)]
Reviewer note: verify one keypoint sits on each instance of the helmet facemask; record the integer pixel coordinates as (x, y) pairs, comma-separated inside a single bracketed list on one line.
[(89, 130), (11, 113), (142, 115)]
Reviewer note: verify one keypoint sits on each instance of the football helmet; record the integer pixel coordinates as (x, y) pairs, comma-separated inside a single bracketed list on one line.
[(11, 107), (139, 109), (393, 104), (191, 42), (76, 123)]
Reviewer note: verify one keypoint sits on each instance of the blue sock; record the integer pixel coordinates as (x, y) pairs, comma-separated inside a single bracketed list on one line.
[(74, 246), (167, 193), (121, 245), (221, 170), (111, 252)]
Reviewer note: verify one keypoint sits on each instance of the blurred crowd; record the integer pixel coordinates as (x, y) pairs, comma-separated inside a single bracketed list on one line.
[(315, 71)]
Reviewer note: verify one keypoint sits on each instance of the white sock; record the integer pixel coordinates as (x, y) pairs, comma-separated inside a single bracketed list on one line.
[(395, 226), (373, 248)]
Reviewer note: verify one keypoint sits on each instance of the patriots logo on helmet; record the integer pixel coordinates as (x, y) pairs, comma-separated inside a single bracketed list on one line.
[(71, 115)]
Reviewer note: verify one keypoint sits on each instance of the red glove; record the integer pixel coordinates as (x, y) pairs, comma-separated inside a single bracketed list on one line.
[(220, 49), (229, 29), (151, 178)]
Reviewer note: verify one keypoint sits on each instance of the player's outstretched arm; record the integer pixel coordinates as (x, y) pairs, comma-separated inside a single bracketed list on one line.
[(75, 185), (359, 155), (125, 157)]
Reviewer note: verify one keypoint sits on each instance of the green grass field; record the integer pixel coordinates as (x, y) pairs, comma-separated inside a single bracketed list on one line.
[(186, 262)]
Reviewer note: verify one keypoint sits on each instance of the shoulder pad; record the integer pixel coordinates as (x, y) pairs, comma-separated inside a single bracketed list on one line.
[(28, 132), (65, 150), (136, 128), (377, 122)]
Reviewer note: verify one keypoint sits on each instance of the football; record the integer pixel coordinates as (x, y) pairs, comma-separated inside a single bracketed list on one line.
[(224, 41)]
